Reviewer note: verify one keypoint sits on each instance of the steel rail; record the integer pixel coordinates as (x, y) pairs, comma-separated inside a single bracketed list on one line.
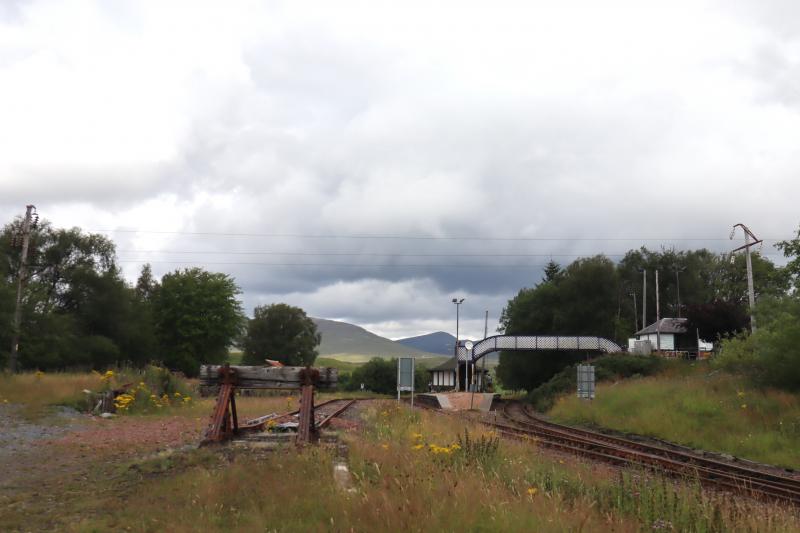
[(622, 451), (654, 449), (337, 412), (260, 422)]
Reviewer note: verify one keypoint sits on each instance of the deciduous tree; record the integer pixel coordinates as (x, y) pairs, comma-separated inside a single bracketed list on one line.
[(283, 333), (197, 317)]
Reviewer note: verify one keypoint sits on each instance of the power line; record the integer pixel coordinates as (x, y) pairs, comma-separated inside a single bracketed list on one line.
[(336, 265), (372, 254), (403, 237)]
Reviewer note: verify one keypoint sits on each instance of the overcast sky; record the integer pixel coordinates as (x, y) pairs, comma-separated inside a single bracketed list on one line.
[(350, 151)]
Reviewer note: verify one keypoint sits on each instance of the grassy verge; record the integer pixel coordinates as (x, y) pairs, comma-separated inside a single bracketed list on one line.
[(607, 368), (709, 410), (412, 471)]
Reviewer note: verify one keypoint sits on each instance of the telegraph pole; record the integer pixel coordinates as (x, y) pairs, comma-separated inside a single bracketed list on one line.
[(678, 284), (21, 278), (658, 318), (750, 291), (644, 298)]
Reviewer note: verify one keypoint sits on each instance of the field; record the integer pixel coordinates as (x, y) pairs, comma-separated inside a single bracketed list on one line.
[(698, 407), (411, 471), (348, 362), (359, 359)]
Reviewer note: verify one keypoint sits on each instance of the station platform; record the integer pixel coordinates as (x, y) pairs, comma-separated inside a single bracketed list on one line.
[(457, 401)]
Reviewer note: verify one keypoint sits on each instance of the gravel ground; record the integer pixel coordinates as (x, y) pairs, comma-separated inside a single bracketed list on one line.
[(20, 434)]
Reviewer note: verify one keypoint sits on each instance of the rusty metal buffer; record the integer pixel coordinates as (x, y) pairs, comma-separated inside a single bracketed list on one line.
[(224, 422)]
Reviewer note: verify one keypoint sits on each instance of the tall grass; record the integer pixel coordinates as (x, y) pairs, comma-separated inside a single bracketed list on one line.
[(36, 390), (404, 482), (702, 409)]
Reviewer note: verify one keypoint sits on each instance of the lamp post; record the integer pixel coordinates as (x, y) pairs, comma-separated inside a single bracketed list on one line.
[(455, 348), (632, 294)]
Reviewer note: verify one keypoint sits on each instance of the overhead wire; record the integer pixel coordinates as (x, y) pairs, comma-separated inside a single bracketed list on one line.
[(367, 254), (406, 237)]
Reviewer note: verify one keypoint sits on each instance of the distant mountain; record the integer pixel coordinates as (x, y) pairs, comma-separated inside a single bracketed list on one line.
[(438, 342), (343, 339)]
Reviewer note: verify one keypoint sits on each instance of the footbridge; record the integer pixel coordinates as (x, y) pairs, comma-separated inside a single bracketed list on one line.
[(472, 352)]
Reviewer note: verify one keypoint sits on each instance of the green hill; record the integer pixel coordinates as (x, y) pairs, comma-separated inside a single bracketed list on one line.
[(349, 342)]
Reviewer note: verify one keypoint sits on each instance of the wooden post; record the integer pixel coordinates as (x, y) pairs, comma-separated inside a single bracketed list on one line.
[(224, 420), (307, 427)]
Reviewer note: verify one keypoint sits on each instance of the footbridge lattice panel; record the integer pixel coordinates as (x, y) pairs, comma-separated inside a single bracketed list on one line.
[(536, 342)]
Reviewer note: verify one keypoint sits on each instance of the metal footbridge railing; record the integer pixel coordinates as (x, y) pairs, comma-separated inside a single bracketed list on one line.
[(534, 343)]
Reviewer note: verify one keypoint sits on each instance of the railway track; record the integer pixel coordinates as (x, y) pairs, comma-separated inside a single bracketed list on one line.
[(709, 472), (332, 409), (324, 412)]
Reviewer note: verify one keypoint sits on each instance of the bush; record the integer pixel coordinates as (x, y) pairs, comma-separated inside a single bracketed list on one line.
[(771, 355), (157, 388), (607, 368), (380, 376)]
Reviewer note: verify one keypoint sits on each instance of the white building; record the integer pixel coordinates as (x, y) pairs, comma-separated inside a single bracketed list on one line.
[(669, 335)]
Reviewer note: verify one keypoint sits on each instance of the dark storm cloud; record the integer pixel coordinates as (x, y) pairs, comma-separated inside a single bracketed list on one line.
[(529, 122)]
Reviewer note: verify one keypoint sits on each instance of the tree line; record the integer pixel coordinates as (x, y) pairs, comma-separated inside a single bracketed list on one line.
[(597, 296), (79, 312)]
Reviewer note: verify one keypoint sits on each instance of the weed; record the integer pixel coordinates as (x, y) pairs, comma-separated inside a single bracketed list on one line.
[(482, 451)]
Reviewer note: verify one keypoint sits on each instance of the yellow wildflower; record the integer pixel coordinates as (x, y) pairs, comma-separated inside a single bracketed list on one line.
[(39, 374), (418, 446), (417, 435), (385, 446), (744, 406), (177, 394), (532, 491), (740, 394)]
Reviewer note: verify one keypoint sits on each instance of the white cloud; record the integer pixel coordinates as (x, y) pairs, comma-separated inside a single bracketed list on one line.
[(525, 119)]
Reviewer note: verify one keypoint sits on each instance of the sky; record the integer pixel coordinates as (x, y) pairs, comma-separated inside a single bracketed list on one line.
[(371, 161)]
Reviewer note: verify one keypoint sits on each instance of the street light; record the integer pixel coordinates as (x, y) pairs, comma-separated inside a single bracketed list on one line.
[(455, 348)]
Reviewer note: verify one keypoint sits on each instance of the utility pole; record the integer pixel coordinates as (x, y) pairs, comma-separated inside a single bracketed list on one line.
[(644, 298), (750, 291), (21, 279), (678, 283), (632, 294), (658, 318)]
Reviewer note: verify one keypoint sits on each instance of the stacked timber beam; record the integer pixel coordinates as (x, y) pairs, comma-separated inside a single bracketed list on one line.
[(267, 377)]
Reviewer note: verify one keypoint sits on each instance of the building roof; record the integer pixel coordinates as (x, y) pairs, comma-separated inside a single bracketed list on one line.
[(665, 325), (450, 364)]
